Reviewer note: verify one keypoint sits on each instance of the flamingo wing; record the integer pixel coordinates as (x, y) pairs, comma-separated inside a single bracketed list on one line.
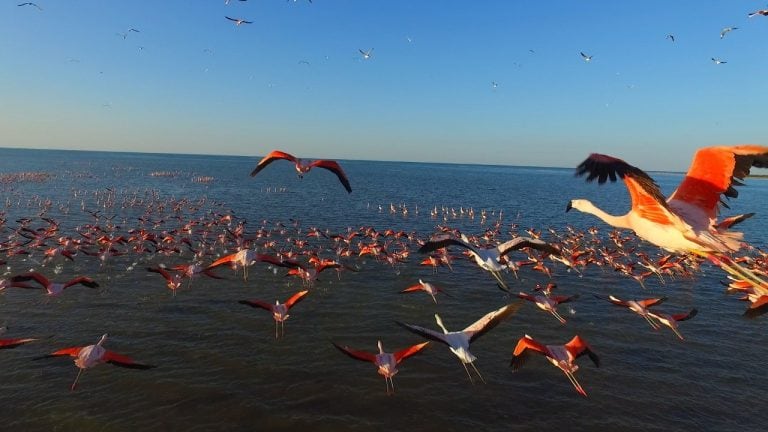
[(418, 287), (685, 316), (564, 299), (407, 352), (647, 199), (83, 280), (526, 296), (715, 171), (71, 352), (37, 277), (257, 304), (613, 300), (161, 271), (335, 168), (524, 347), (123, 361), (425, 332), (356, 354), (432, 246), (13, 343), (271, 157), (491, 320), (223, 260), (578, 347), (279, 262), (295, 298), (526, 242), (651, 302)]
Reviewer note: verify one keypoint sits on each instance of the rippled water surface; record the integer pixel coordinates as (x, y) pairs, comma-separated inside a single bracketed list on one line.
[(221, 368)]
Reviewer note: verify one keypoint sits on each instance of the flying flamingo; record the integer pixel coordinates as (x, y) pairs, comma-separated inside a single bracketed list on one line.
[(639, 307), (458, 341), (686, 222), (172, 281), (279, 310), (246, 258), (13, 343), (426, 287), (386, 362), (548, 303), (53, 288), (562, 356), (303, 166), (92, 355), (671, 320), (490, 259)]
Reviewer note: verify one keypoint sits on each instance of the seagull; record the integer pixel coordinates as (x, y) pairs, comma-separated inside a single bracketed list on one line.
[(366, 54), (586, 57), (671, 37), (30, 4), (238, 21), (718, 61), (726, 30), (458, 341)]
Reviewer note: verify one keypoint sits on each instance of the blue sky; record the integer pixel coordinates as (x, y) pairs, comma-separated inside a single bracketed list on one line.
[(190, 81)]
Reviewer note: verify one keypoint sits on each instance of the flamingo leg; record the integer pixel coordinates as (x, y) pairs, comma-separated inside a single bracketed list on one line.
[(558, 316), (468, 374), (650, 321), (576, 383), (478, 372), (498, 279), (74, 384)]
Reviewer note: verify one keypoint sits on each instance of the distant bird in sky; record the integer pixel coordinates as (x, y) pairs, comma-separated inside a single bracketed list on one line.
[(763, 12), (386, 362), (92, 355), (587, 58), (458, 341), (30, 4), (671, 37), (717, 61), (494, 85), (726, 30), (238, 21), (366, 54), (303, 167)]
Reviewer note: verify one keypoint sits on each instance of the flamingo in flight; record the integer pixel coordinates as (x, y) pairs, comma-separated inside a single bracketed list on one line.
[(279, 310), (686, 222), (672, 320), (92, 355), (458, 341), (490, 259), (639, 307), (303, 166), (245, 258), (548, 303), (53, 288), (14, 342), (426, 287), (385, 362), (562, 356)]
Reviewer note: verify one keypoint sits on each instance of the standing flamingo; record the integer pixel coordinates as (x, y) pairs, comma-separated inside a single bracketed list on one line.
[(279, 310), (562, 356), (53, 288), (687, 220), (490, 259), (458, 341), (92, 355), (303, 166), (385, 362)]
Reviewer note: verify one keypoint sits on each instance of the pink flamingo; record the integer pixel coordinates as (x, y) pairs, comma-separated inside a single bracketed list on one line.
[(303, 167), (385, 362), (53, 288), (279, 310)]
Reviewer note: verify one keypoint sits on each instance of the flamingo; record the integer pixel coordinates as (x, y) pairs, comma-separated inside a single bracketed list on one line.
[(238, 21), (562, 356), (13, 343), (548, 303), (279, 310), (686, 222), (490, 259), (426, 287), (385, 362), (639, 307), (53, 288), (303, 167), (671, 320), (763, 12), (93, 355), (458, 341)]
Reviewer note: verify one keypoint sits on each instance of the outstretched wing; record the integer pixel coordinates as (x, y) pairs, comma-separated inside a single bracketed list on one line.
[(407, 352), (524, 347), (124, 361), (425, 332), (257, 304), (72, 352), (527, 242), (578, 347), (491, 320), (651, 301), (13, 343), (271, 157), (685, 316), (647, 199), (295, 298), (335, 168), (715, 171), (432, 246), (356, 354)]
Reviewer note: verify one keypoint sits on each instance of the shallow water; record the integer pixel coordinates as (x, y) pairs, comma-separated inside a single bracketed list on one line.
[(221, 368)]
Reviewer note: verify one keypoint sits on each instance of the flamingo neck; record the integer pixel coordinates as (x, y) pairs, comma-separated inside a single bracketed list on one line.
[(586, 206)]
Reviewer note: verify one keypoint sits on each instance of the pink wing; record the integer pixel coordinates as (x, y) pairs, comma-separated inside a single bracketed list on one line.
[(271, 157)]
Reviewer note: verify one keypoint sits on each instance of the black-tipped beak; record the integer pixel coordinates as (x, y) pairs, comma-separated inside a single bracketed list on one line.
[(568, 207)]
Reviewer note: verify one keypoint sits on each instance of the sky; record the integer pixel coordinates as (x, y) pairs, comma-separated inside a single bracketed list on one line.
[(461, 81)]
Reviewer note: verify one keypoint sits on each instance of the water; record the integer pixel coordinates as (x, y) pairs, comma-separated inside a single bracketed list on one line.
[(221, 368)]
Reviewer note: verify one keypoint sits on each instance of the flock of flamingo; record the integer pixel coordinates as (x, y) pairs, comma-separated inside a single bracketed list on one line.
[(686, 226)]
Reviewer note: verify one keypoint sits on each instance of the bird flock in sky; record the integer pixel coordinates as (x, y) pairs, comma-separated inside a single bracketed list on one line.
[(181, 240)]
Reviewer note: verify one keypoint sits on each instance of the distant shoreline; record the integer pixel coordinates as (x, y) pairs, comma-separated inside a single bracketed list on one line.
[(762, 176)]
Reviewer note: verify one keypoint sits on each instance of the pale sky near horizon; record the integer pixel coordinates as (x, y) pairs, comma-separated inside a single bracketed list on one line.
[(490, 82)]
